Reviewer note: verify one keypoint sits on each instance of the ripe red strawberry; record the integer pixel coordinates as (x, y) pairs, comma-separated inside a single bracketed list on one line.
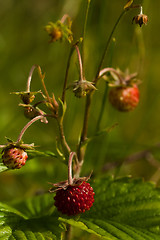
[(74, 199), (124, 98), (14, 158)]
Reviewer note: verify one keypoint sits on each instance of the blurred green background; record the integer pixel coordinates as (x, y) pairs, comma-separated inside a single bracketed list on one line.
[(23, 42)]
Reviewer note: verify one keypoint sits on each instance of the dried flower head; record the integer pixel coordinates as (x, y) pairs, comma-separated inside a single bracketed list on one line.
[(82, 88), (140, 18)]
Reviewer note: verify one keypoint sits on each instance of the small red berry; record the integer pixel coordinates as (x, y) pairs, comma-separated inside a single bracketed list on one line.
[(14, 158), (124, 98), (74, 199)]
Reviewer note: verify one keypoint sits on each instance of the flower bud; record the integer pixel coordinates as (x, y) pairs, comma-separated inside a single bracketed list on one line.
[(31, 112), (54, 32), (27, 97), (59, 31)]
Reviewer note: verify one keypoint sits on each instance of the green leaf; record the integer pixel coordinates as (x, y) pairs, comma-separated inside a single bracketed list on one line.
[(30, 220), (2, 167), (124, 209), (37, 206)]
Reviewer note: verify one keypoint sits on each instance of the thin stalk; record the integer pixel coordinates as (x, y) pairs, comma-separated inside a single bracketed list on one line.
[(107, 45), (80, 63), (68, 233), (81, 150), (102, 108), (65, 147), (109, 69), (30, 78), (86, 118), (71, 156), (28, 125), (38, 103), (141, 10), (84, 29), (63, 19), (66, 75), (106, 87)]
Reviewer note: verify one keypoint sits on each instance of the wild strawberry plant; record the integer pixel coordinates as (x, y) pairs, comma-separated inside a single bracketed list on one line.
[(107, 207)]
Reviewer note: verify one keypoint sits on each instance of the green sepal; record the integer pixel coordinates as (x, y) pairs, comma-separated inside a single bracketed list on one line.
[(27, 97), (61, 110), (128, 4), (20, 144), (81, 88)]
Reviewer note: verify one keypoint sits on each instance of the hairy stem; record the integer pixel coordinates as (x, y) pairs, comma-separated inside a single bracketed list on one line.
[(102, 108), (80, 149), (28, 125), (30, 78), (109, 69), (106, 87), (63, 19), (65, 147), (71, 156), (80, 63)]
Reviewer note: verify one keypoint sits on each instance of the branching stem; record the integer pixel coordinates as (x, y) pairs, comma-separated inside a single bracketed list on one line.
[(81, 150)]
